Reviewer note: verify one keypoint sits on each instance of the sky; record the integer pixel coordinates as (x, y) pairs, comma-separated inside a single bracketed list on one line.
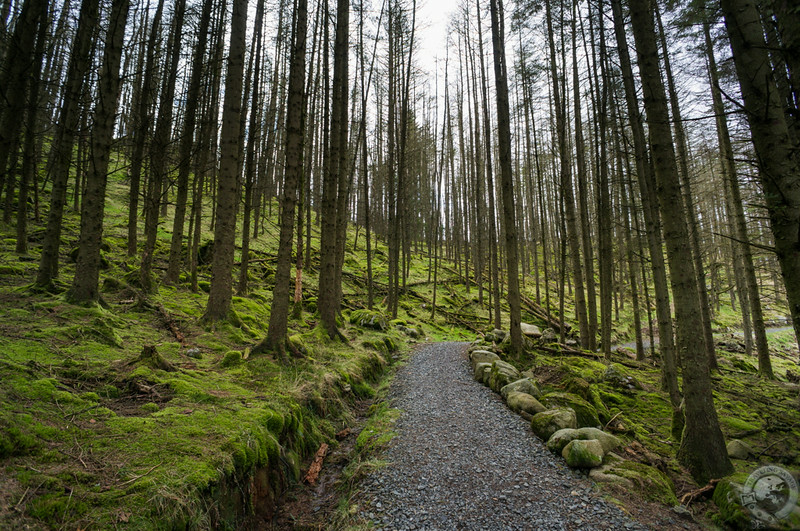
[(432, 19)]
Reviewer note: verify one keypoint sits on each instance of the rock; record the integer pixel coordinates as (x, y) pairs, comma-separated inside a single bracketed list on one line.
[(487, 372), (683, 512), (482, 356), (369, 319), (617, 376), (499, 335), (523, 385), (739, 449), (502, 374), (546, 423), (524, 403), (728, 499), (583, 454), (571, 343), (650, 482), (477, 372), (561, 438), (194, 352), (578, 386), (548, 335), (530, 330), (585, 412)]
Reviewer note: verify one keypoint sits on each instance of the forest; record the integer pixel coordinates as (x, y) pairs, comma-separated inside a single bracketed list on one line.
[(228, 224)]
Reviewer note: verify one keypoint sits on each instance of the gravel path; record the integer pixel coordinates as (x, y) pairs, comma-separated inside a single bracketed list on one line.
[(462, 460)]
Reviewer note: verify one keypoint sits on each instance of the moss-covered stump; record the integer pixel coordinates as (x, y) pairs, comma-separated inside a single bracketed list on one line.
[(502, 374), (649, 482), (546, 423), (523, 385), (583, 454), (586, 414)]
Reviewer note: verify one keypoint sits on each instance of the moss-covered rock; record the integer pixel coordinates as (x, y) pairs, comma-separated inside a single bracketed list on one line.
[(477, 373), (502, 374), (728, 499), (482, 356), (523, 385), (530, 330), (585, 412), (369, 319), (650, 482), (619, 377), (561, 438), (546, 423), (524, 404), (583, 454), (738, 449)]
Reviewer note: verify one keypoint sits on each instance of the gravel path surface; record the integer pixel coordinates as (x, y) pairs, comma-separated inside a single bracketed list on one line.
[(462, 460)]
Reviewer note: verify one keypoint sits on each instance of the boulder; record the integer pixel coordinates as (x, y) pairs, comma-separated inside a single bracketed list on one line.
[(487, 372), (561, 438), (617, 376), (548, 335), (739, 449), (502, 374), (524, 403), (523, 385), (650, 482), (583, 454), (482, 356), (499, 335), (530, 330), (585, 412), (546, 423), (369, 319), (477, 372)]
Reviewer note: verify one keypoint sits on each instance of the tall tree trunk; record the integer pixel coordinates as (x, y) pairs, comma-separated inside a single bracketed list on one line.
[(504, 138), (186, 143), (566, 190), (87, 268), (276, 334), (702, 448), (219, 299), (778, 159), (337, 157), (64, 142)]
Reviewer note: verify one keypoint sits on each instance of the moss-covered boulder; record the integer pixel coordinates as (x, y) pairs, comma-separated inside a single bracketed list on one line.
[(482, 356), (546, 423), (728, 499), (650, 482), (530, 330), (585, 412), (523, 385), (583, 454), (369, 319), (619, 377), (478, 370), (561, 438), (739, 449), (524, 404), (578, 386), (501, 375)]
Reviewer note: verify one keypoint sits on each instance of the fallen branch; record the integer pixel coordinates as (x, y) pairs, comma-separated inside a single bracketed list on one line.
[(703, 492), (316, 466), (171, 325)]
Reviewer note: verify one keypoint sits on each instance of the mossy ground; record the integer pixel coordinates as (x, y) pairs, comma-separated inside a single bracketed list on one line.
[(90, 440)]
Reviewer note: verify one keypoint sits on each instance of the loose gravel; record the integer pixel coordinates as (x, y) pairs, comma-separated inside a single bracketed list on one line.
[(462, 460)]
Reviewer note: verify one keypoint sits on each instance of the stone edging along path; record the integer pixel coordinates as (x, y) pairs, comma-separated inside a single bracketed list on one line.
[(463, 460)]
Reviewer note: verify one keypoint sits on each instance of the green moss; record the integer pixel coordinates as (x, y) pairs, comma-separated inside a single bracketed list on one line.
[(378, 430), (731, 512), (653, 484), (231, 359), (54, 509), (736, 425)]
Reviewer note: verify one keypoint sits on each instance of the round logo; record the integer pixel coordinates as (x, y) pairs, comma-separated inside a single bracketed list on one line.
[(770, 494)]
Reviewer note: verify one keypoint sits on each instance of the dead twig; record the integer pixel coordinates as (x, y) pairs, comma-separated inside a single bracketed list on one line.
[(316, 466)]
